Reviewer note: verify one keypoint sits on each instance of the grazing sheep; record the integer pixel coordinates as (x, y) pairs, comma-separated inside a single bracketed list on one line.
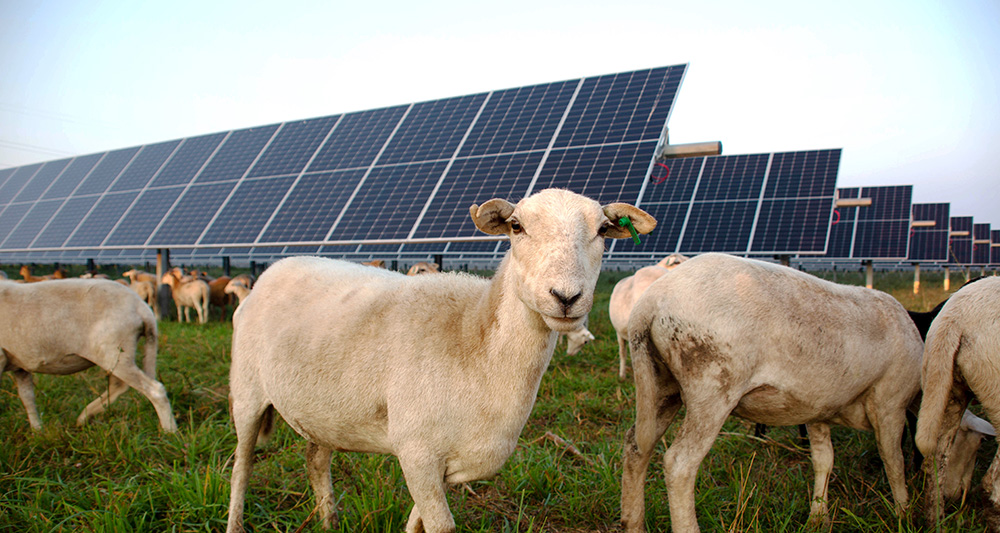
[(139, 275), (624, 296), (146, 291), (187, 295), (65, 327), (724, 335), (961, 361), (423, 268), (440, 371), (377, 263), (239, 288), (28, 278), (577, 339), (217, 295)]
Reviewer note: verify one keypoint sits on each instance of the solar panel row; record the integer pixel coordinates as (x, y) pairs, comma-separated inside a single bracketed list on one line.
[(879, 231), (399, 180)]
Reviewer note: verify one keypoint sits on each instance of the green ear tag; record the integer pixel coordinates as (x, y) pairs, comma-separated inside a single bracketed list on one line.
[(627, 222)]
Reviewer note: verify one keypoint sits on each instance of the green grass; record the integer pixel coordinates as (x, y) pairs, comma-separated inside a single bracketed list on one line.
[(120, 473)]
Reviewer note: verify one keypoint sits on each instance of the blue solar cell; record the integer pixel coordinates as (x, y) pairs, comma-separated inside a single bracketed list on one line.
[(312, 207), (17, 181), (70, 178), (102, 218), (981, 244), (293, 146), (960, 246), (10, 217), (793, 226), (236, 154), (42, 180), (388, 203), (803, 174), (608, 173), (106, 171), (432, 130), (147, 212), (32, 223), (930, 243), (357, 139), (995, 247), (144, 166), (626, 107), (518, 120), (64, 222), (192, 212), (187, 160), (474, 181), (246, 212)]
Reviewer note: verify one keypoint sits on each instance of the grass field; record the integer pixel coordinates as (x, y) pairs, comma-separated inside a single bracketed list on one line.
[(121, 474)]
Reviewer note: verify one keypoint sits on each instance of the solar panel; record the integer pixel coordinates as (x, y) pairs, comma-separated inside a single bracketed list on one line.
[(981, 244), (995, 247), (70, 178), (41, 180), (960, 243), (98, 180), (929, 234), (877, 231), (143, 167), (777, 203), (17, 181)]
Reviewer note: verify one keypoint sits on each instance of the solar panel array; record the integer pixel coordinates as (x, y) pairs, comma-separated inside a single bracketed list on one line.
[(929, 243), (879, 231), (398, 181)]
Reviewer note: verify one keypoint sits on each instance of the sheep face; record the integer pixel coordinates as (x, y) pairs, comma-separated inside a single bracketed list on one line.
[(557, 241)]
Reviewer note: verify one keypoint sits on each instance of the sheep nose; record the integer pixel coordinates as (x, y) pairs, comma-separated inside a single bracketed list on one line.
[(566, 301)]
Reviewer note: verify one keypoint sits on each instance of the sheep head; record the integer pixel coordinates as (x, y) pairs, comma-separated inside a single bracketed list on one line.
[(556, 244)]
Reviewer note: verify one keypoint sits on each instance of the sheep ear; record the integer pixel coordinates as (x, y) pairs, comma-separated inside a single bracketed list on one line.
[(643, 221), (491, 217)]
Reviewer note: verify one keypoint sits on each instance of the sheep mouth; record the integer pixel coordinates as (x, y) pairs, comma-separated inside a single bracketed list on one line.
[(564, 323)]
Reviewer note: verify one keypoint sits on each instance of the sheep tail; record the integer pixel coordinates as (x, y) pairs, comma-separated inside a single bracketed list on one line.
[(937, 375), (151, 333)]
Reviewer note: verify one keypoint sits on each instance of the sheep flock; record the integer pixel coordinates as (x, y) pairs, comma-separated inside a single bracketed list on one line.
[(441, 370)]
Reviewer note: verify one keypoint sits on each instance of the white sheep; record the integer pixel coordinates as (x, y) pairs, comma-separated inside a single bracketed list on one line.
[(239, 288), (441, 371), (961, 361), (624, 296), (423, 267), (577, 339), (773, 345), (188, 293), (63, 327)]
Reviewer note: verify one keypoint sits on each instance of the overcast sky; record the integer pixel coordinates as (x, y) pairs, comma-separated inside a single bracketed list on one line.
[(910, 90)]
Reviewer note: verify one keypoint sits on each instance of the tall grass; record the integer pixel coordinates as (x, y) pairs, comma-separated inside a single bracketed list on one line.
[(120, 473)]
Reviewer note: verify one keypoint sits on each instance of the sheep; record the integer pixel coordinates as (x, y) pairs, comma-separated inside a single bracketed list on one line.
[(577, 339), (377, 263), (139, 275), (188, 295), (239, 288), (146, 291), (961, 360), (440, 371), (725, 335), (218, 296), (29, 278), (423, 268), (96, 322), (624, 296)]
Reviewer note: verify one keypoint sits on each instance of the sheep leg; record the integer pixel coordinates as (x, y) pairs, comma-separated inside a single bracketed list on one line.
[(888, 423), (622, 356), (424, 475), (130, 375), (318, 460), (116, 387), (702, 423), (26, 391), (247, 420), (821, 451), (654, 414)]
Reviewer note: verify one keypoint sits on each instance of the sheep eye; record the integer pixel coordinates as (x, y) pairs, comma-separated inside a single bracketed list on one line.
[(515, 227)]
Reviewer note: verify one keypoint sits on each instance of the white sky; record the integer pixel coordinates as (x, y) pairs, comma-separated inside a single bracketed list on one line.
[(909, 89)]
